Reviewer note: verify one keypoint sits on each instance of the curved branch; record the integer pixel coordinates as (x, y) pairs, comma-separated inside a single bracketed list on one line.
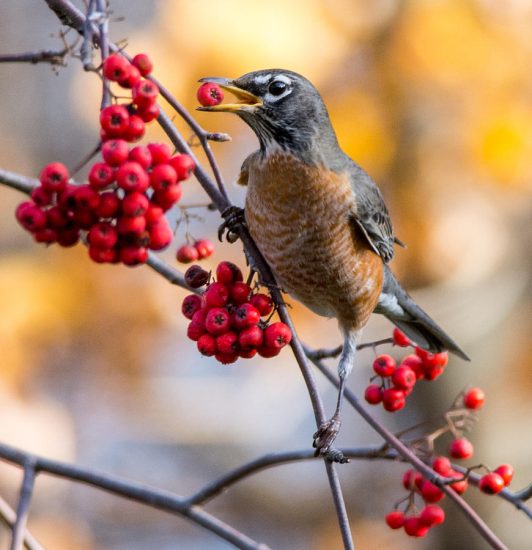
[(163, 500)]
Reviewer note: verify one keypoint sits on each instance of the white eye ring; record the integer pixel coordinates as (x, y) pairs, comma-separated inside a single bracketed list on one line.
[(279, 79)]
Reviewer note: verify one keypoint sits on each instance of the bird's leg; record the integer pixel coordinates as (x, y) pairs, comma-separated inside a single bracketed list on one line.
[(327, 432), (233, 219)]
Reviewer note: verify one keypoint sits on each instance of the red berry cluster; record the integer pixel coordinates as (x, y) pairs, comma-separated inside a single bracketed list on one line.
[(121, 207), (397, 381), (199, 250), (226, 321), (209, 94)]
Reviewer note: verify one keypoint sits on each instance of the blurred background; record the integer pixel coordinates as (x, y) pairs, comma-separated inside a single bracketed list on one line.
[(434, 99)]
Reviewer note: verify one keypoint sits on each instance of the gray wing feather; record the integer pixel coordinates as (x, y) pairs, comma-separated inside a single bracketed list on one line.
[(371, 214)]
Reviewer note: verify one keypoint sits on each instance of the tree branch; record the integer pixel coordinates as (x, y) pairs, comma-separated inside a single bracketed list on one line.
[(8, 518), (162, 500), (54, 57), (26, 490)]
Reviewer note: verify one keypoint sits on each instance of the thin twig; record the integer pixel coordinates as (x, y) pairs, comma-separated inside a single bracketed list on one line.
[(8, 518), (23, 508), (103, 28), (18, 182), (54, 57)]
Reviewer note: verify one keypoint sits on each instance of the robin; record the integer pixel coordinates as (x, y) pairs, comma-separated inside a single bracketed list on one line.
[(319, 220)]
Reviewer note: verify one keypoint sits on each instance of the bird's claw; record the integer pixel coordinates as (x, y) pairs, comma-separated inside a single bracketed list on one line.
[(324, 438), (233, 219)]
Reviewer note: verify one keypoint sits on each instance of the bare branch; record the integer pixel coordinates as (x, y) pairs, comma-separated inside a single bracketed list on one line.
[(26, 490), (54, 57), (162, 500), (8, 518), (18, 182)]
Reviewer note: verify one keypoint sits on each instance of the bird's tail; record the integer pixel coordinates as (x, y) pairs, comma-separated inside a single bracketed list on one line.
[(401, 310)]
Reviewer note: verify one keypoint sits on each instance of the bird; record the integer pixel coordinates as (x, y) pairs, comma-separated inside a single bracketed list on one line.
[(319, 220)]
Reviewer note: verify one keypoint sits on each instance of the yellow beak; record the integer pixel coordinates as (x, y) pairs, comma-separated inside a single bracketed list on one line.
[(246, 100)]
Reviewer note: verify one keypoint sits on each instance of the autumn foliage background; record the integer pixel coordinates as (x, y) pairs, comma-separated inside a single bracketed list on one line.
[(434, 99)]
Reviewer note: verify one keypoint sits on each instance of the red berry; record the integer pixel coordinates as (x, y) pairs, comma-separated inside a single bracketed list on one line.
[(228, 273), (109, 205), (142, 155), (227, 342), (58, 218), (267, 351), (384, 365), (216, 295), (143, 63), (160, 152), (209, 94), (393, 399), (433, 359), (40, 197), (115, 152), (442, 465), (114, 120), (196, 276), (432, 515), (251, 337), (67, 237), (491, 484), (395, 519), (226, 358), (31, 216), (432, 372), (54, 177), (144, 93), (132, 177), (461, 448), (148, 112), (186, 254), (135, 129), (458, 486), (373, 394), (135, 204), (190, 305), (102, 255), (245, 316), (204, 247), (240, 292), (130, 78), (86, 198), (412, 480), (195, 330), (207, 345), (403, 378), (133, 255), (162, 177), (263, 303), (416, 364), (115, 67), (154, 214), (167, 198), (247, 353), (160, 234), (474, 399), (46, 235), (506, 471), (400, 338), (430, 492), (132, 226), (103, 235), (101, 175), (276, 335), (183, 165), (217, 320), (414, 528)]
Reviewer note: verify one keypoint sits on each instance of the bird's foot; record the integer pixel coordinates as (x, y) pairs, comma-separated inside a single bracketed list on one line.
[(233, 220), (324, 438)]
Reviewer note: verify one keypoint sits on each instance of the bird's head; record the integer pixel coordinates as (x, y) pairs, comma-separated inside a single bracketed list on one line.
[(282, 107)]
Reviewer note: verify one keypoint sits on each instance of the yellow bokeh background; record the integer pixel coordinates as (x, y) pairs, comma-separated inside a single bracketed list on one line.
[(434, 100)]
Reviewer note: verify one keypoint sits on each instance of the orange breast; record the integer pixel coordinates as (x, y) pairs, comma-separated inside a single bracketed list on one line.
[(299, 218)]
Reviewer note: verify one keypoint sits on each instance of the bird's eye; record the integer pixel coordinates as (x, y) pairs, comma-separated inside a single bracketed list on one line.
[(277, 87)]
